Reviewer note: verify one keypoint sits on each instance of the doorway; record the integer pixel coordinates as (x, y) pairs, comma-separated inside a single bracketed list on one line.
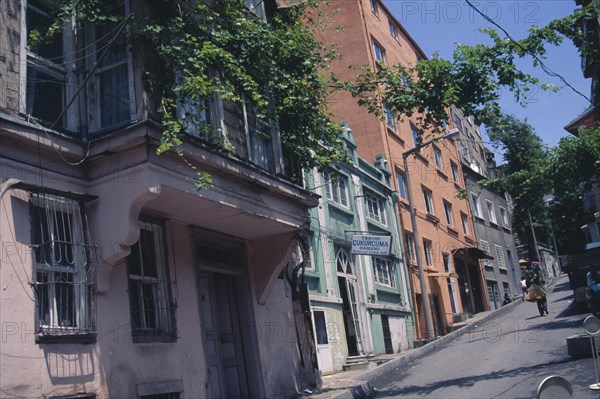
[(387, 335), (348, 294), (221, 336)]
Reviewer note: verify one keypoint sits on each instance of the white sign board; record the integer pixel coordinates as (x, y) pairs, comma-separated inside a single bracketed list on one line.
[(371, 245)]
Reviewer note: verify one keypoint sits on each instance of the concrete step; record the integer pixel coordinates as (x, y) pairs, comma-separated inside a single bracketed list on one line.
[(364, 365)]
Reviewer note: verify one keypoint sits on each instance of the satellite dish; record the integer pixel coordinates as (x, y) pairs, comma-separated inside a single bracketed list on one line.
[(591, 325), (555, 387)]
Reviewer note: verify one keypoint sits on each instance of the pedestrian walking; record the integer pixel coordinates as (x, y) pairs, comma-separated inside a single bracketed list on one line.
[(533, 280)]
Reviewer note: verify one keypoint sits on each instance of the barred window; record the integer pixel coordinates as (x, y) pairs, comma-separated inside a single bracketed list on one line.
[(149, 294), (63, 280), (500, 257)]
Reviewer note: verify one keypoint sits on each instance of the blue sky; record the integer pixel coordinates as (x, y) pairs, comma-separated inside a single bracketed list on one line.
[(437, 26)]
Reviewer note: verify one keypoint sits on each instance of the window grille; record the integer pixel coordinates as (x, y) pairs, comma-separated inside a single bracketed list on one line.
[(485, 247), (63, 280), (500, 257), (149, 292)]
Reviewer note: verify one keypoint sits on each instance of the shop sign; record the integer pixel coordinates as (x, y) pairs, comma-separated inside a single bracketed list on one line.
[(371, 245)]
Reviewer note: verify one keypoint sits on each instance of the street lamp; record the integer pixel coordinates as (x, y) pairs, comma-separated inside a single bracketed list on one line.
[(413, 218)]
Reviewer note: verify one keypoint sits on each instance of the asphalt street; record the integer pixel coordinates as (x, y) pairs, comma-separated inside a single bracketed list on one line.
[(507, 356)]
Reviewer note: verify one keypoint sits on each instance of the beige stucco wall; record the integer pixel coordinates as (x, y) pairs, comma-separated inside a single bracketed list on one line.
[(277, 343), (399, 334), (113, 365)]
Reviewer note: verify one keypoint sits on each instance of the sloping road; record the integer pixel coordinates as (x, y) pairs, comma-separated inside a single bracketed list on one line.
[(505, 357)]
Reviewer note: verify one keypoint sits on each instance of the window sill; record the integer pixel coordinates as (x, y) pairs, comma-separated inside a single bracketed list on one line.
[(377, 224), (478, 219), (391, 130), (452, 230), (433, 218), (441, 173), (340, 208), (386, 288), (89, 338), (140, 339), (421, 157)]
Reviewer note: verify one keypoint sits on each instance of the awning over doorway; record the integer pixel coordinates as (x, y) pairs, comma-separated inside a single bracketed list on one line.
[(471, 252)]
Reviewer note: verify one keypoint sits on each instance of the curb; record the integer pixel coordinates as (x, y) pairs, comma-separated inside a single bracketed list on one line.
[(363, 388)]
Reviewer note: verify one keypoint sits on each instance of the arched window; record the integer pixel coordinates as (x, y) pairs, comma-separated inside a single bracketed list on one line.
[(343, 260)]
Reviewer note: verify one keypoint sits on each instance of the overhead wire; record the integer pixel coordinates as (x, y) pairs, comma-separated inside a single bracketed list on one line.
[(544, 67)]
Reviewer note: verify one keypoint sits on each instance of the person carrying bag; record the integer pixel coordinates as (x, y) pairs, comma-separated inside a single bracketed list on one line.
[(535, 293)]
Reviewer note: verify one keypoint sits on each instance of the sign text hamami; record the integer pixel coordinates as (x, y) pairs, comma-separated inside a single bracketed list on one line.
[(371, 245)]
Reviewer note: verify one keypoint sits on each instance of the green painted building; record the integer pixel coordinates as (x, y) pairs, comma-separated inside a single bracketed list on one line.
[(357, 277)]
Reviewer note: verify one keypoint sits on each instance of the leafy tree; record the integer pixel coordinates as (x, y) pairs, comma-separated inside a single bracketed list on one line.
[(473, 79), (573, 165), (525, 176), (203, 48), (533, 172)]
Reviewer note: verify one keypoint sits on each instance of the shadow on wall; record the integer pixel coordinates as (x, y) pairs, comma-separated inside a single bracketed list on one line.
[(69, 365)]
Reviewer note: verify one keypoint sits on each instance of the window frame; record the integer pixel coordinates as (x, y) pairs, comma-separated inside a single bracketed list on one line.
[(428, 200), (374, 7), (163, 310), (378, 51), (485, 247), (401, 181), (455, 174), (415, 138), (390, 118), (491, 210), (428, 251), (409, 244), (46, 65), (375, 207), (504, 216), (384, 272), (62, 278), (477, 212), (95, 108), (437, 156), (500, 257), (319, 336), (393, 30), (334, 191), (448, 213), (465, 223)]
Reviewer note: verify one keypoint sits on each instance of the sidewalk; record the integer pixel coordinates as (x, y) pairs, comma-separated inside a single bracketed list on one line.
[(357, 384)]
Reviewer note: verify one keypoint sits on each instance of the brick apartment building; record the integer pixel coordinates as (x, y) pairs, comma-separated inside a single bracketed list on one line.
[(370, 34)]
